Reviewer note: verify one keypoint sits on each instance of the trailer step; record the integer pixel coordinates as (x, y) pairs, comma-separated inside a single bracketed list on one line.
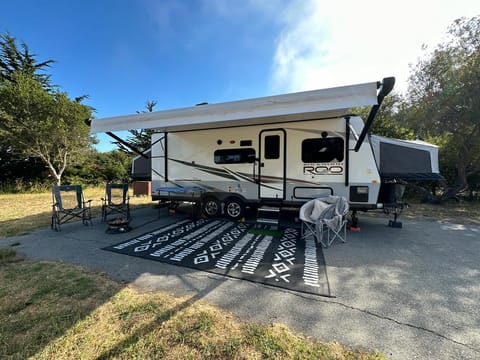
[(267, 221), (268, 215), (269, 209)]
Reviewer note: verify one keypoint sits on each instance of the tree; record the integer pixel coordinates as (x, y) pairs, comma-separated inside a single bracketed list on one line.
[(43, 124), (140, 139), (14, 60), (390, 119), (444, 98), (100, 167)]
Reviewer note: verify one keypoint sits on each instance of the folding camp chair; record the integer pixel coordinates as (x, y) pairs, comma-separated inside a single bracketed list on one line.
[(325, 215), (336, 224), (310, 215), (116, 200), (68, 204)]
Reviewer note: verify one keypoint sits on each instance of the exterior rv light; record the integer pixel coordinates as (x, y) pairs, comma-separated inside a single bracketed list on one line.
[(232, 141)]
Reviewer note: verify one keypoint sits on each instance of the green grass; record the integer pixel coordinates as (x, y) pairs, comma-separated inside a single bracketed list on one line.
[(268, 232)]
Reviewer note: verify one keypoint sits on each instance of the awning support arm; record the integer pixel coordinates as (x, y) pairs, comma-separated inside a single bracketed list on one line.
[(130, 146), (121, 141), (385, 87)]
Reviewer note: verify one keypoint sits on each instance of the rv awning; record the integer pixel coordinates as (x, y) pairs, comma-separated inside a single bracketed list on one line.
[(316, 104)]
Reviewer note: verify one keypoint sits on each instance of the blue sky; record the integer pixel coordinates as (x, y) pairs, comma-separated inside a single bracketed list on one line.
[(180, 53)]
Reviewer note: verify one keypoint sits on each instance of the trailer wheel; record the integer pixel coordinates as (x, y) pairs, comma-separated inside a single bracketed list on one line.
[(211, 207), (234, 208)]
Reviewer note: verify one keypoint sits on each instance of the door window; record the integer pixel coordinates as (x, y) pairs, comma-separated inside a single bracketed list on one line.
[(272, 147)]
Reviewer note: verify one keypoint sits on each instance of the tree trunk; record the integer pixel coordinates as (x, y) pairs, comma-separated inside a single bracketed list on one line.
[(459, 185), (57, 174), (58, 179), (428, 196)]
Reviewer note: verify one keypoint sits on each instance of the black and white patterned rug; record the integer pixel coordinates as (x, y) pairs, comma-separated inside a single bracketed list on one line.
[(229, 248)]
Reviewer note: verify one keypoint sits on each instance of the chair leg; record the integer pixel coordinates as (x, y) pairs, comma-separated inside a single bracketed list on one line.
[(315, 230), (321, 231), (337, 234), (55, 225), (87, 217)]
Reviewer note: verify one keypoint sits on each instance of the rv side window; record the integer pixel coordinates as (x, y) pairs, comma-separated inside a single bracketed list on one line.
[(322, 150), (234, 156), (272, 147)]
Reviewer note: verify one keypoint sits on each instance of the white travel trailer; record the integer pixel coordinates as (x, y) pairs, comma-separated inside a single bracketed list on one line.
[(281, 150)]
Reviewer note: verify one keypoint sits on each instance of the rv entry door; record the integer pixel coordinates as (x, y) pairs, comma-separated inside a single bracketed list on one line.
[(272, 165)]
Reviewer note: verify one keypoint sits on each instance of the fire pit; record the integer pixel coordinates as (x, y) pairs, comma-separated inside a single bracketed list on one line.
[(118, 225)]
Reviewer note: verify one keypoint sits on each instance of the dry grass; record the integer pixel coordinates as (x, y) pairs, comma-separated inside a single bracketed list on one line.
[(456, 212), (23, 213), (58, 311), (452, 212)]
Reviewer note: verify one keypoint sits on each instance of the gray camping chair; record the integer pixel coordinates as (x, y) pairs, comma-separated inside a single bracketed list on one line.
[(311, 224), (68, 204), (336, 223), (116, 200), (325, 219)]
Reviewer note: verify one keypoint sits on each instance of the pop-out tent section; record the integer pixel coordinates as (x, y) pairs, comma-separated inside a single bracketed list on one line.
[(142, 167), (408, 160)]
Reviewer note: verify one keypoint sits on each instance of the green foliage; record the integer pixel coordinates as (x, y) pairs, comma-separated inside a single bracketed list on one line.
[(42, 124), (19, 185), (16, 167), (98, 168), (6, 255), (115, 166), (390, 120), (444, 100), (14, 60), (141, 138), (36, 120)]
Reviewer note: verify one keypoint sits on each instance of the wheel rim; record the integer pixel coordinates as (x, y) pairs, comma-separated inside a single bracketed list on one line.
[(211, 207), (234, 209)]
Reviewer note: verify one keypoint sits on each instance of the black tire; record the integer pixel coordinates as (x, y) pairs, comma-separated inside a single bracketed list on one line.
[(234, 208), (211, 207)]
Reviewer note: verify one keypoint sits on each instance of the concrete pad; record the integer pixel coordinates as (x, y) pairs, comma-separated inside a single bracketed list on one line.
[(411, 293)]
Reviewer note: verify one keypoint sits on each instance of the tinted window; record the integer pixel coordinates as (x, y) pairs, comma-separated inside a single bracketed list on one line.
[(234, 156), (272, 147), (322, 150)]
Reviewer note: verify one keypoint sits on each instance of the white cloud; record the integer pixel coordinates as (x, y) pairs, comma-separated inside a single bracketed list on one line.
[(331, 43)]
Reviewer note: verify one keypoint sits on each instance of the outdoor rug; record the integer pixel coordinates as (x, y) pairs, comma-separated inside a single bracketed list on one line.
[(237, 250)]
